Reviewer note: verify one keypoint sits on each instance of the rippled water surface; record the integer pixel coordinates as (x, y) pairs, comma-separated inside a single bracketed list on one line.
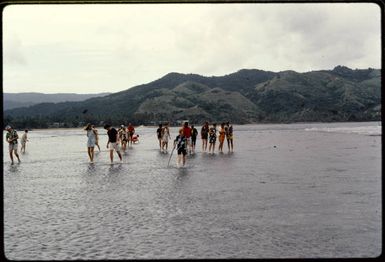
[(288, 191)]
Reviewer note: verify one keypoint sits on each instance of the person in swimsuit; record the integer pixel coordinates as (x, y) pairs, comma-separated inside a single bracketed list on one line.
[(11, 138), (194, 134), (165, 137), (90, 141), (180, 143), (113, 142), (212, 138), (23, 141), (130, 132), (229, 136), (204, 135), (159, 135), (221, 138)]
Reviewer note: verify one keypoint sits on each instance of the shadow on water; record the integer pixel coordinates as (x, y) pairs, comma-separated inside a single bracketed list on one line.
[(14, 168), (91, 168), (182, 172), (114, 169)]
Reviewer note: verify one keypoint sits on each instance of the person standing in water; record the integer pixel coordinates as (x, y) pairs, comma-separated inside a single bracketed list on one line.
[(23, 141), (180, 143), (11, 138), (159, 135), (187, 135), (113, 142), (130, 133), (123, 137), (229, 136), (194, 134), (212, 138), (165, 137), (204, 135), (96, 137), (222, 134), (91, 141)]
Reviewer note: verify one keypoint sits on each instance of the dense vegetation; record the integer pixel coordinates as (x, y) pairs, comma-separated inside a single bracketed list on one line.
[(247, 96)]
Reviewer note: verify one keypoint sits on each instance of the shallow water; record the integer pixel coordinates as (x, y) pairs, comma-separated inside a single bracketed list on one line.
[(288, 191)]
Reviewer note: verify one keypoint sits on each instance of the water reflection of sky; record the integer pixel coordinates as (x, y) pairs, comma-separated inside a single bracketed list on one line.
[(284, 192)]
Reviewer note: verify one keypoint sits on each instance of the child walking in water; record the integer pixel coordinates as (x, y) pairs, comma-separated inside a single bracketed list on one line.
[(212, 138), (180, 143)]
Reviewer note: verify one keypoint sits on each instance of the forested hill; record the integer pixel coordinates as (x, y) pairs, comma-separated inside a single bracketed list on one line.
[(247, 96)]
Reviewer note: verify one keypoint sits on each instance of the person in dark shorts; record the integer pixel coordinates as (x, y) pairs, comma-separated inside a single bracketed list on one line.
[(212, 138), (194, 134), (205, 135), (180, 143), (159, 134), (113, 142)]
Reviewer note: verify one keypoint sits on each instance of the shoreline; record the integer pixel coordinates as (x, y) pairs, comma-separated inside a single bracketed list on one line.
[(171, 126)]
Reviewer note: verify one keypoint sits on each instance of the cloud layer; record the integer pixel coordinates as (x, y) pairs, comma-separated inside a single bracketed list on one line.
[(98, 48)]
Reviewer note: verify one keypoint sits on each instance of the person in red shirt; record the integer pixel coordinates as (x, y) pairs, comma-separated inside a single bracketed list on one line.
[(187, 135)]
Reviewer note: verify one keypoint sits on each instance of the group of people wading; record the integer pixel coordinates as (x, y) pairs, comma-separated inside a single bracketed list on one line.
[(124, 135), (185, 141)]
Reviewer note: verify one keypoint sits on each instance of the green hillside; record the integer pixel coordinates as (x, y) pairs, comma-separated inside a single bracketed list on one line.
[(247, 96)]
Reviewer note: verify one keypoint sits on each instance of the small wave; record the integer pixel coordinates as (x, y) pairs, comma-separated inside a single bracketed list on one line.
[(361, 130)]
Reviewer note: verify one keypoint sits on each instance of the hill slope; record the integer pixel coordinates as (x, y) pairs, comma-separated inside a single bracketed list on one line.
[(247, 96), (15, 100)]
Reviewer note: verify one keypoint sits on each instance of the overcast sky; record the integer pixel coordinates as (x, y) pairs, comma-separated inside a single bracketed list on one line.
[(110, 48)]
